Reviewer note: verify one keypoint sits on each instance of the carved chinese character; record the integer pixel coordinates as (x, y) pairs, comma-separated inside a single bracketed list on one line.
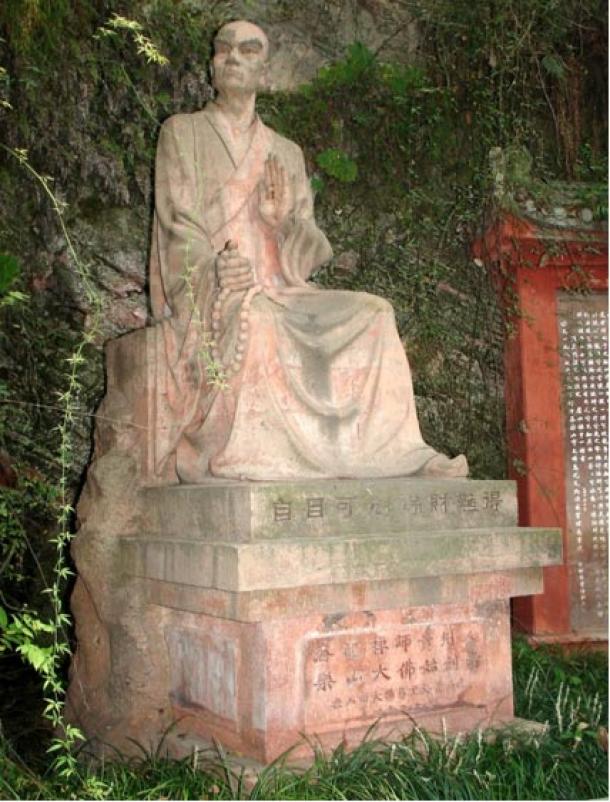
[(451, 662), (407, 669), (322, 653), (467, 502), (379, 508), (380, 671), (448, 639), (492, 501), (344, 506), (336, 703), (324, 681), (426, 638), (403, 642), (282, 511), (430, 666), (415, 506), (389, 694), (356, 676), (352, 650), (438, 502), (380, 645), (315, 507)]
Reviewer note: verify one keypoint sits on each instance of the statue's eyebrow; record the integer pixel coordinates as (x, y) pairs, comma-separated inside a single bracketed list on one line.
[(252, 42), (247, 42)]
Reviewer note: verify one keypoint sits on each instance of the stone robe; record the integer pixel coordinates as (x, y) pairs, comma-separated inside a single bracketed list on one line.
[(324, 388)]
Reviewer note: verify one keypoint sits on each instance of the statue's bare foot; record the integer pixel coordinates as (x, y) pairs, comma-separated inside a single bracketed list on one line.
[(445, 468)]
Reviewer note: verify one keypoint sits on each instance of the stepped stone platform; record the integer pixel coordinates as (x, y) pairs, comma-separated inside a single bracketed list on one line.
[(275, 610)]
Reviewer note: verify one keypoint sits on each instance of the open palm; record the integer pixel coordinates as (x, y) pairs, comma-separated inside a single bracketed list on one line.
[(274, 193)]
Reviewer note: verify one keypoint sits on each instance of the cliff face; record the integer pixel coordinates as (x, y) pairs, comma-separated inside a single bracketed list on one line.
[(309, 36)]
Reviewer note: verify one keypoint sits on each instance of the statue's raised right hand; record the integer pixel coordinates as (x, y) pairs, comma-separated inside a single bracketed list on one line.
[(234, 272)]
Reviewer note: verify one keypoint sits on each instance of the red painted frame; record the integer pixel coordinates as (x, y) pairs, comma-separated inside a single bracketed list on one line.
[(529, 265)]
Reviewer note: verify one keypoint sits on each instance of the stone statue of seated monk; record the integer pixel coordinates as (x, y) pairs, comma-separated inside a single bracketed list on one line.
[(316, 382)]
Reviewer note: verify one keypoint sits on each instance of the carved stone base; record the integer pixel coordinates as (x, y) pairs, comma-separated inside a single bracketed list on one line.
[(256, 613), (258, 688)]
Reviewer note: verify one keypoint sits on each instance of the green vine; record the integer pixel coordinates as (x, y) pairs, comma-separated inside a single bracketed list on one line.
[(44, 642), (22, 630)]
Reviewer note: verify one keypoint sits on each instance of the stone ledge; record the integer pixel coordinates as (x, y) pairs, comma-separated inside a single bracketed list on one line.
[(268, 605), (245, 511), (307, 561)]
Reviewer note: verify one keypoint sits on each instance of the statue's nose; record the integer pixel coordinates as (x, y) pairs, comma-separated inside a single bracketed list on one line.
[(232, 58)]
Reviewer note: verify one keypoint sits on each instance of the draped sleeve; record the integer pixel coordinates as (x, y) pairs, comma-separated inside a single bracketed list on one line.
[(182, 257), (303, 246)]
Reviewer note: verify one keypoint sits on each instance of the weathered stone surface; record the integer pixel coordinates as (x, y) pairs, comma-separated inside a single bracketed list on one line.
[(303, 561), (262, 605), (118, 673), (113, 242), (334, 676), (230, 510)]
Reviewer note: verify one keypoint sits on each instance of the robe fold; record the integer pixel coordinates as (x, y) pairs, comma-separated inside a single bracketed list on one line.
[(324, 388)]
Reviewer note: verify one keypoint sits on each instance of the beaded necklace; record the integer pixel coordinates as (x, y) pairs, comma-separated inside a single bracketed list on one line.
[(233, 364)]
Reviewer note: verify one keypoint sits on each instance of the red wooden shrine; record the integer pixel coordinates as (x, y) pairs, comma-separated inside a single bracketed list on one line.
[(553, 281)]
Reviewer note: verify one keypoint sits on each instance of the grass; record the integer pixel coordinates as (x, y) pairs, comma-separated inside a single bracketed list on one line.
[(569, 692)]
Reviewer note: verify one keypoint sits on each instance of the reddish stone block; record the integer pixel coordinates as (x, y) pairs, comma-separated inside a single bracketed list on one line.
[(260, 688)]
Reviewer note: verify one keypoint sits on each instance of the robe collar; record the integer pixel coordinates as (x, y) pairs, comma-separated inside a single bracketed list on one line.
[(228, 201), (219, 122)]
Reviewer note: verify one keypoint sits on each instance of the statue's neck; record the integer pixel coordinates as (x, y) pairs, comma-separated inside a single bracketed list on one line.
[(237, 131), (239, 111)]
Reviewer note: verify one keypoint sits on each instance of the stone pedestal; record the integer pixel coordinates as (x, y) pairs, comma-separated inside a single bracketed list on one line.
[(256, 613)]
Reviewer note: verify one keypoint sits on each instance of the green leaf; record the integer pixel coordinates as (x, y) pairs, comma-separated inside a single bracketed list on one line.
[(3, 618), (317, 183), (554, 66), (9, 270), (338, 164), (37, 656), (359, 61)]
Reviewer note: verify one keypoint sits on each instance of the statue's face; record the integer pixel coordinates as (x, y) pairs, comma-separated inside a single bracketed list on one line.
[(240, 58)]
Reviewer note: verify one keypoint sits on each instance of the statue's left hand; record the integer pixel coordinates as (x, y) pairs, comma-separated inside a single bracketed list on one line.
[(275, 197)]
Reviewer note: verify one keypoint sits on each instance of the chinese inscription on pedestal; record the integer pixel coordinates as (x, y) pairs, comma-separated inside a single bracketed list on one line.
[(366, 674), (467, 504)]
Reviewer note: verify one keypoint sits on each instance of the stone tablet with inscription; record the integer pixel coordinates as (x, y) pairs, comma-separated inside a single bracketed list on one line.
[(583, 331), (401, 665)]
